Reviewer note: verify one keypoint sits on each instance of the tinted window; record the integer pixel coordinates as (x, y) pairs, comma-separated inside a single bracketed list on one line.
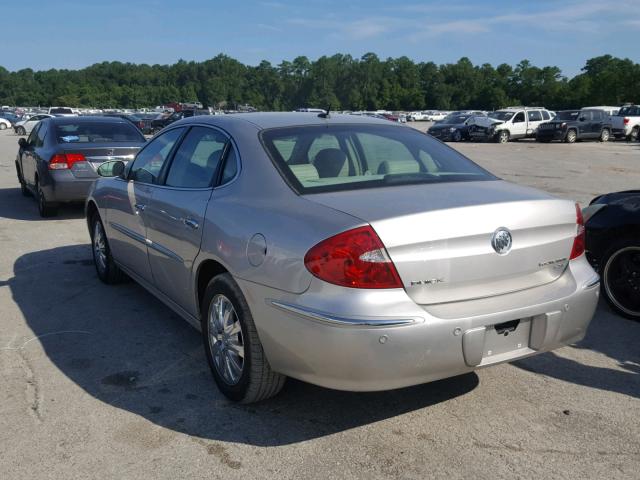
[(519, 117), (197, 159), (364, 156), (42, 132), (534, 115), (567, 115), (148, 164), (97, 132), (34, 135), (545, 115), (504, 116), (230, 167)]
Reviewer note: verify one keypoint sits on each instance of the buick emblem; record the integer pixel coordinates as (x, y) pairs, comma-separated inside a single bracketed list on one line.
[(501, 241)]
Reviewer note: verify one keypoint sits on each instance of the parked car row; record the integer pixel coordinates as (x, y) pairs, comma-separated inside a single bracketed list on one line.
[(596, 123)]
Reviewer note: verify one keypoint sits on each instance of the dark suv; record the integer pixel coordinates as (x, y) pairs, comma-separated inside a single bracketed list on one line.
[(572, 125)]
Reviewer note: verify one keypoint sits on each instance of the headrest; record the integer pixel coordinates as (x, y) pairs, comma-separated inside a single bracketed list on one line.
[(304, 172), (398, 166), (329, 162)]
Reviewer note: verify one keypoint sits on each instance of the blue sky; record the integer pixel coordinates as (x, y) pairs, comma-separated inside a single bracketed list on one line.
[(76, 33)]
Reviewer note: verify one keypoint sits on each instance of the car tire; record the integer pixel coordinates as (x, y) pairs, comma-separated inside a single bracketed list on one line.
[(633, 136), (235, 355), (23, 186), (2, 126), (106, 268), (571, 136), (45, 207), (456, 136), (503, 136), (621, 277), (605, 135), (21, 131)]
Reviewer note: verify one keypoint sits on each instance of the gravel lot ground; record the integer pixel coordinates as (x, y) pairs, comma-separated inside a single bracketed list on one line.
[(105, 382)]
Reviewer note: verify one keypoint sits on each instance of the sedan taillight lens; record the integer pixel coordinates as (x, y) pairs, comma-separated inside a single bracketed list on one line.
[(626, 120), (64, 161), (355, 258), (579, 240)]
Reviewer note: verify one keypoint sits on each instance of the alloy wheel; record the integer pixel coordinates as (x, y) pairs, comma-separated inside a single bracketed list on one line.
[(622, 280), (225, 340), (99, 246)]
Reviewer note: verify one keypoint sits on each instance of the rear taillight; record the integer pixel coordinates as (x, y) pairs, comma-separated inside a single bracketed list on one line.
[(579, 240), (141, 125), (355, 258), (63, 161), (626, 120)]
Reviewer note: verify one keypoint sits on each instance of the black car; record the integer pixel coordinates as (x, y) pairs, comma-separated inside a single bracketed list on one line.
[(141, 120), (572, 125), (613, 248), (452, 128), (58, 162), (163, 120)]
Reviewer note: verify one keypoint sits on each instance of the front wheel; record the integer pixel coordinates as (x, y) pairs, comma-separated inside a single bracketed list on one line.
[(621, 278), (633, 136), (237, 360), (503, 136), (605, 135), (571, 137), (21, 131), (106, 268), (2, 126), (456, 136)]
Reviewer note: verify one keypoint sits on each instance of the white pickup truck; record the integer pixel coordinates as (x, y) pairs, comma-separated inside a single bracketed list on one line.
[(626, 123)]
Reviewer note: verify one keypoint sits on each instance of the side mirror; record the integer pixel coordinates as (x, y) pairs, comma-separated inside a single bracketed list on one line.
[(113, 168), (22, 142)]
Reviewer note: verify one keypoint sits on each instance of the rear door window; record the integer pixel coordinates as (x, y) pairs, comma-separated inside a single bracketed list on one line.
[(534, 116), (545, 115)]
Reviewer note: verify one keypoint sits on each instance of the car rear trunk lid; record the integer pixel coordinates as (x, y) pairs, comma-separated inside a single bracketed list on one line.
[(97, 154), (440, 236)]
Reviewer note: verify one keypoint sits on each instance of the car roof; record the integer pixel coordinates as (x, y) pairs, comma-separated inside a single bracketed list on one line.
[(264, 120), (85, 119)]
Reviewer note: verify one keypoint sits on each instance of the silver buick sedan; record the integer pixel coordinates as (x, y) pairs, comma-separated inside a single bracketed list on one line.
[(348, 252)]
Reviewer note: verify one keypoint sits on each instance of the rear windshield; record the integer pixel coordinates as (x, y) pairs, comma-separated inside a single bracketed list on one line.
[(567, 115), (97, 132), (331, 158), (632, 111)]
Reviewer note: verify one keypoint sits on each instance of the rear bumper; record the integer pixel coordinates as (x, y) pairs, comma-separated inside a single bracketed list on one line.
[(64, 187), (380, 340), (620, 132)]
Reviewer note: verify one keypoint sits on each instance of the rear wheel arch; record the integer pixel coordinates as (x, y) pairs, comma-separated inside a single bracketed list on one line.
[(208, 269), (91, 211)]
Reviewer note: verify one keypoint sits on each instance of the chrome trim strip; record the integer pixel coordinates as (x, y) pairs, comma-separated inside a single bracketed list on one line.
[(163, 250), (129, 233), (592, 283), (149, 243), (348, 322)]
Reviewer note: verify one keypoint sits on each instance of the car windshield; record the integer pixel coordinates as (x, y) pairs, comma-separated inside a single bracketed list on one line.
[(97, 132), (455, 119), (347, 157), (504, 116), (567, 115)]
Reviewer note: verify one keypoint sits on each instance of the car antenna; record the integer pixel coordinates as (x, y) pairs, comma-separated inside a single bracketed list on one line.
[(325, 114)]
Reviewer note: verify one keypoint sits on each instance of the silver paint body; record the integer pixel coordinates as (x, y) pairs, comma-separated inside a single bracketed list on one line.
[(356, 339)]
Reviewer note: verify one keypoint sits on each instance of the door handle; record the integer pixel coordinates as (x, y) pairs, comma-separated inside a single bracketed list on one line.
[(191, 223), (140, 206)]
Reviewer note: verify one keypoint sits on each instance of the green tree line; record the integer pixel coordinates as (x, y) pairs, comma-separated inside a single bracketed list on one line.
[(339, 81)]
